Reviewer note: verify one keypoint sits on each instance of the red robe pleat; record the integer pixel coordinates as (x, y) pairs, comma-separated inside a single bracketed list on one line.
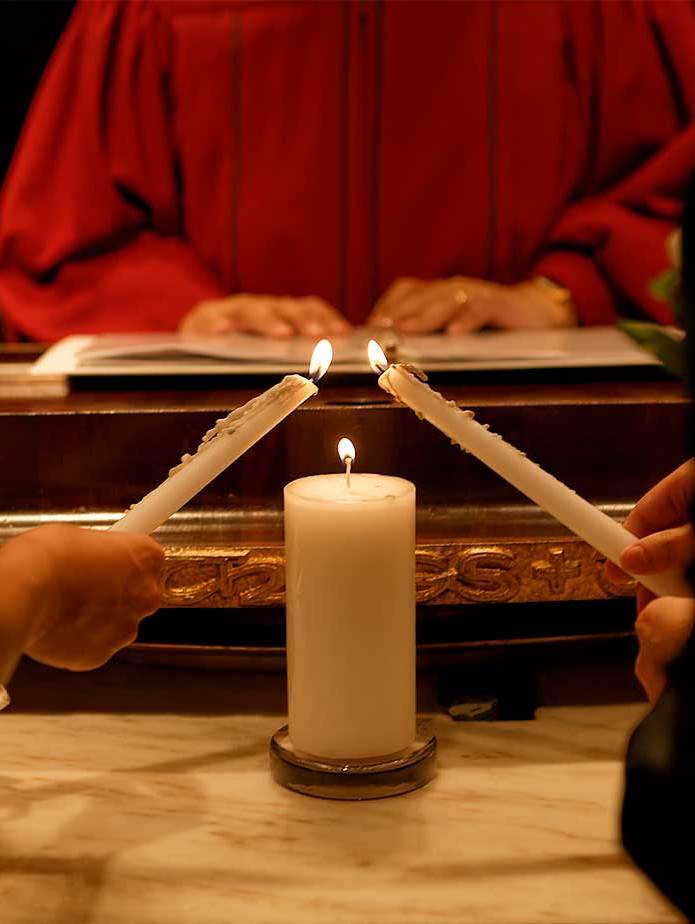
[(178, 151)]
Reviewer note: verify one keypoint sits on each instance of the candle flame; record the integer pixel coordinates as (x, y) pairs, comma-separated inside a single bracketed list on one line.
[(346, 450), (321, 359), (377, 357)]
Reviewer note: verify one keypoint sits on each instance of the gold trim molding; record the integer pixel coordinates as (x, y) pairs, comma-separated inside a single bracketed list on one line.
[(448, 574)]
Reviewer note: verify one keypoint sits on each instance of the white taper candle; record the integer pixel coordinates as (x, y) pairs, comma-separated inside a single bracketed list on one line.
[(223, 444), (577, 514)]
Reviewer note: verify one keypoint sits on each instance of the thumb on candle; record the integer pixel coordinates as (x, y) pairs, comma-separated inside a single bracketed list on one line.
[(668, 550)]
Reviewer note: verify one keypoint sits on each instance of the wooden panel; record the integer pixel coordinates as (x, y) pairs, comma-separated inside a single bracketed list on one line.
[(85, 455)]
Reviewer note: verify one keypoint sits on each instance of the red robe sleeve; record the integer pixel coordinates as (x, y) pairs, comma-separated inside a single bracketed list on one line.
[(608, 245), (99, 138)]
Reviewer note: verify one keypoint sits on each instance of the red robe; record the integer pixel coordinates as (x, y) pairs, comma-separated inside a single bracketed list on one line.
[(178, 151)]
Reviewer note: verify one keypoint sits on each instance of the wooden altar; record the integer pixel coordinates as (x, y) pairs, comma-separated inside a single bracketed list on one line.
[(486, 559)]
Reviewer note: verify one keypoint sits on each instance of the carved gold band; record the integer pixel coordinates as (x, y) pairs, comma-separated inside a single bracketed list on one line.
[(515, 571)]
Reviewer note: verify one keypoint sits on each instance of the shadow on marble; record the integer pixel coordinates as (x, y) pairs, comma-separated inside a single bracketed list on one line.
[(120, 688), (498, 869), (482, 747), (127, 688), (116, 812)]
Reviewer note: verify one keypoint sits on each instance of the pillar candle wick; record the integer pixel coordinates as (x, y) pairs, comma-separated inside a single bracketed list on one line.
[(347, 455)]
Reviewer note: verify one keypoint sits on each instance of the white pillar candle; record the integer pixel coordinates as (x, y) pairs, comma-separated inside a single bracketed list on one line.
[(350, 615), (223, 444), (577, 514)]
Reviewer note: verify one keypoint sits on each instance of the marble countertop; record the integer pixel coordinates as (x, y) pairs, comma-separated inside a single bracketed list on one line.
[(114, 814)]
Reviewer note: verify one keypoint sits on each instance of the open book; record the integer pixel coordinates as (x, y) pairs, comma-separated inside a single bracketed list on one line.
[(239, 354)]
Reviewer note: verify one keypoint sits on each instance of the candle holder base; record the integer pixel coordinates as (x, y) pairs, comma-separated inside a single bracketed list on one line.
[(376, 779)]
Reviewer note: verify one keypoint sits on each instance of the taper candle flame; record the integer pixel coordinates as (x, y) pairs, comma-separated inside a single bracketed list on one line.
[(321, 359), (346, 451), (377, 357)]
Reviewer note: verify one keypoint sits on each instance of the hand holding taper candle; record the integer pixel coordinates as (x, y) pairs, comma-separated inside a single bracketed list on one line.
[(577, 514), (224, 443), (231, 437), (72, 597)]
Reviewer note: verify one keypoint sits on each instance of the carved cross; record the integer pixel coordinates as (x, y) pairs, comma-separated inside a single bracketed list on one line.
[(556, 571)]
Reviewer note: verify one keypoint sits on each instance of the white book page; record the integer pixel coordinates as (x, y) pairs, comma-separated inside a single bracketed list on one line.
[(171, 354), (565, 345)]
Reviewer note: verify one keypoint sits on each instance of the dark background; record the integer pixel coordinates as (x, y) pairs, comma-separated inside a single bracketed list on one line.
[(29, 30)]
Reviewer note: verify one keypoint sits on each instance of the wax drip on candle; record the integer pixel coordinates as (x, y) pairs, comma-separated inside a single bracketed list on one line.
[(321, 358), (379, 363), (347, 453), (387, 385), (227, 425), (588, 522)]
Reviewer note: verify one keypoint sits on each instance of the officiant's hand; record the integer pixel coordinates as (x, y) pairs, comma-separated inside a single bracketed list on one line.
[(268, 315), (460, 305), (72, 597)]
